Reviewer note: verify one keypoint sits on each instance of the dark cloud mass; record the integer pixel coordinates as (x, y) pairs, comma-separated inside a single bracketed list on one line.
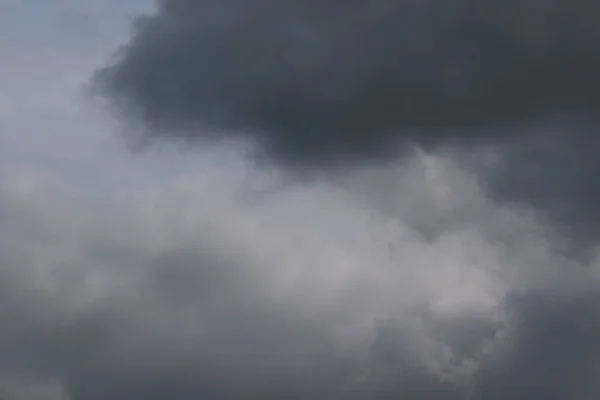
[(313, 81), (337, 82)]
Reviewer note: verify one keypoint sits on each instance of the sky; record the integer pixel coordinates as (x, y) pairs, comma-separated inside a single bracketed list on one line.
[(299, 200)]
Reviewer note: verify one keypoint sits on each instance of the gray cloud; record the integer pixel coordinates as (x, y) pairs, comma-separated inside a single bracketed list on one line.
[(552, 167), (330, 83), (313, 292), (403, 281), (314, 81)]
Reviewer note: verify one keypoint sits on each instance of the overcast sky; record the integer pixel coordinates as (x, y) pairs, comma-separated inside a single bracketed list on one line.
[(245, 202)]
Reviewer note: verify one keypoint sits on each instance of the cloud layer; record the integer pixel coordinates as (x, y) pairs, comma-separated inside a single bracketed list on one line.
[(436, 276), (320, 84), (207, 289), (319, 81)]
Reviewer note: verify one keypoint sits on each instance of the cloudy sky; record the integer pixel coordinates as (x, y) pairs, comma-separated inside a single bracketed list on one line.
[(300, 199)]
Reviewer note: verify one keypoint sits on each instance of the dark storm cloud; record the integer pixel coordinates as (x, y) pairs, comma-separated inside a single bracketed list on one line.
[(555, 340), (553, 167), (336, 83), (316, 81)]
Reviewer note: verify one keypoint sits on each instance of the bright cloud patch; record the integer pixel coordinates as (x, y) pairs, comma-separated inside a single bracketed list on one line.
[(384, 283)]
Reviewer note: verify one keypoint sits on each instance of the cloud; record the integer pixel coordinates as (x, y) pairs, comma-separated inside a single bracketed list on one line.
[(202, 288), (316, 85), (553, 167), (321, 81), (396, 281)]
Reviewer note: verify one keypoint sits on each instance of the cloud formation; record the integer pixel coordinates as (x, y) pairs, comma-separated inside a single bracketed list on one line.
[(318, 81), (320, 84), (398, 281), (202, 289)]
